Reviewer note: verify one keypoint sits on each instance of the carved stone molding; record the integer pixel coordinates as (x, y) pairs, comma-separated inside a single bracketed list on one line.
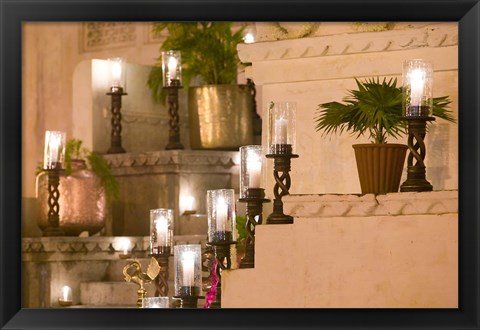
[(411, 203), (105, 35), (177, 160), (435, 35), (105, 247)]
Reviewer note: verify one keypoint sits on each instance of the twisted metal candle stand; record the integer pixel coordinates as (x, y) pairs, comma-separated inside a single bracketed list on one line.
[(416, 181), (172, 99), (161, 281), (224, 261), (53, 228), (116, 134), (255, 197), (282, 160), (189, 296)]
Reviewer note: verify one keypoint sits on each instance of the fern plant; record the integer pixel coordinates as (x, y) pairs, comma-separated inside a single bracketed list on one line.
[(95, 162), (208, 50), (374, 108)]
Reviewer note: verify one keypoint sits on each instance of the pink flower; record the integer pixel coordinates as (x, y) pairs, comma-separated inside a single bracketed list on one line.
[(210, 296)]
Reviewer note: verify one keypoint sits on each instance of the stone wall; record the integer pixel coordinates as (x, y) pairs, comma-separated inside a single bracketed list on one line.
[(321, 67)]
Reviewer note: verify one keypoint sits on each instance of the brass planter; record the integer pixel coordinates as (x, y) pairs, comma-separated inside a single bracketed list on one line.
[(380, 166), (82, 201), (220, 116)]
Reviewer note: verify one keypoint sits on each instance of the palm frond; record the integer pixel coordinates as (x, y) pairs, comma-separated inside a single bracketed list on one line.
[(374, 107)]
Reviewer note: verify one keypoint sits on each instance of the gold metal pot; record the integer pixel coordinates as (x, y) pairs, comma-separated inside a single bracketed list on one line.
[(220, 116), (82, 201)]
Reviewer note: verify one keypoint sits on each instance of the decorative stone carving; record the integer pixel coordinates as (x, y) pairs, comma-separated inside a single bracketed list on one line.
[(222, 161), (415, 203), (104, 35), (435, 35)]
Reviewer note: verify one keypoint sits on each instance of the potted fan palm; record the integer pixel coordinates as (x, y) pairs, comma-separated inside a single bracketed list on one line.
[(375, 108), (220, 110)]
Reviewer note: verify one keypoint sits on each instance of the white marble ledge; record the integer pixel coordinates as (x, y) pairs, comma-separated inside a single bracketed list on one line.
[(92, 248), (174, 157), (434, 35), (405, 203)]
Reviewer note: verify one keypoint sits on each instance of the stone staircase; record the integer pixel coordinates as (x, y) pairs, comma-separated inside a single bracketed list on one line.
[(397, 250), (90, 266)]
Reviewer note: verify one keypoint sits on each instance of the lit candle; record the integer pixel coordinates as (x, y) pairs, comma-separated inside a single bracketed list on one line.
[(417, 81), (172, 67), (254, 167), (66, 293), (188, 203), (249, 38), (116, 73), (54, 144), (281, 130), (188, 266), (161, 226), (222, 214), (125, 246)]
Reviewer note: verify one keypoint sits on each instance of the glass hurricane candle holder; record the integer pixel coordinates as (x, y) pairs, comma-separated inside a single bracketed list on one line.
[(221, 215), (417, 93), (281, 128), (172, 68), (54, 151), (161, 231), (156, 302), (251, 161), (117, 74), (188, 270)]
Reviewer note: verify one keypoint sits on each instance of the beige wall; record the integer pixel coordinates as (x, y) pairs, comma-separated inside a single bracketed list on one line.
[(322, 68), (51, 53)]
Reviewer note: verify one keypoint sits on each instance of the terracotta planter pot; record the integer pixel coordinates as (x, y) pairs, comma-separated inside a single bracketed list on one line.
[(380, 166)]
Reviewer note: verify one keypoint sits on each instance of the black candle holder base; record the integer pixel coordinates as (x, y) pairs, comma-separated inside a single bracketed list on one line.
[(188, 301), (174, 146), (52, 231), (416, 181), (116, 150), (279, 219)]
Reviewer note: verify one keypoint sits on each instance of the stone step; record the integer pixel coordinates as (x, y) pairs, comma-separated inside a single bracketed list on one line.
[(112, 293)]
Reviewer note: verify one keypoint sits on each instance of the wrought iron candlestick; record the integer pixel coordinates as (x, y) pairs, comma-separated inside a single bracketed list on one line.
[(282, 161), (224, 261), (161, 281), (174, 135), (53, 228), (116, 134), (255, 197), (161, 242), (417, 128), (417, 103)]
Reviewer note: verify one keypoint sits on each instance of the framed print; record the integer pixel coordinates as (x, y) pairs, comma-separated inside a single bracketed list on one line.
[(248, 217)]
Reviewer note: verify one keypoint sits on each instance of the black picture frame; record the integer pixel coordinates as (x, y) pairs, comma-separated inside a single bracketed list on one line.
[(13, 13)]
